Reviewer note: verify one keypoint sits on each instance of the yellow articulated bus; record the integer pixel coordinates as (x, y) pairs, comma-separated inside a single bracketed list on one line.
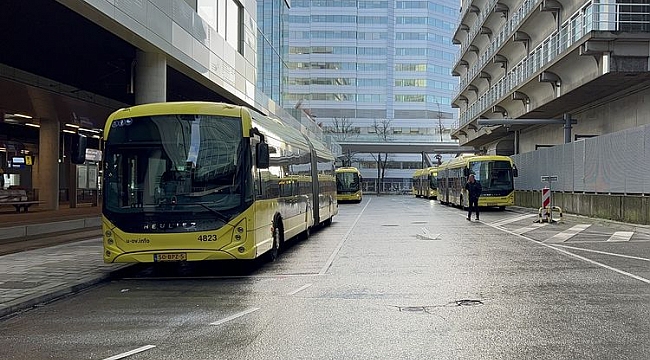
[(425, 182), (494, 172), (192, 181), (348, 184)]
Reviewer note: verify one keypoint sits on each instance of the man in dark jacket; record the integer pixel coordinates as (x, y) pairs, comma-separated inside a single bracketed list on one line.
[(474, 190)]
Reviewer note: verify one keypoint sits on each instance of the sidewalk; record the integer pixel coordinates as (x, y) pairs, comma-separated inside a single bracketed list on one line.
[(33, 277), (48, 254)]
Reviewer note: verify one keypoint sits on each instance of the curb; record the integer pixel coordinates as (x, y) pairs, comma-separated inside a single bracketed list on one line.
[(30, 302)]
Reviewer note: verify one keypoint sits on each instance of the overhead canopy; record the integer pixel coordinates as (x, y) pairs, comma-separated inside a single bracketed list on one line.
[(405, 148)]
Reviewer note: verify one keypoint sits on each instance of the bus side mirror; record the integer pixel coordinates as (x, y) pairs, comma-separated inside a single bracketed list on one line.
[(262, 156), (515, 172), (78, 149), (466, 172)]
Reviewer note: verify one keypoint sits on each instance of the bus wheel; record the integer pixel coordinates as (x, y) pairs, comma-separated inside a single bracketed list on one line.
[(274, 253), (328, 222), (502, 208)]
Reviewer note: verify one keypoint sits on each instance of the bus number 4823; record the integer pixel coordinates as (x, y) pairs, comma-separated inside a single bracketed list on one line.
[(208, 237)]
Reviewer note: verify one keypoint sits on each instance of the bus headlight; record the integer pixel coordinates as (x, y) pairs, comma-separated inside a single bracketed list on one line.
[(239, 232)]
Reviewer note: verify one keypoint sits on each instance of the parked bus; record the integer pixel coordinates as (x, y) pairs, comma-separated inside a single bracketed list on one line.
[(348, 184), (494, 172), (191, 181), (425, 182)]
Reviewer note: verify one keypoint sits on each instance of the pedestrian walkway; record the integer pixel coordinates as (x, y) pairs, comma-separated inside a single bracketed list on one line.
[(33, 277), (35, 267)]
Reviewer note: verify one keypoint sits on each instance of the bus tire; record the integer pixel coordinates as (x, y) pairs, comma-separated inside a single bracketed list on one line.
[(274, 253), (502, 208)]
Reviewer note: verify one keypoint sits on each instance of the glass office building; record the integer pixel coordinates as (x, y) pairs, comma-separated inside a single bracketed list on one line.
[(362, 66)]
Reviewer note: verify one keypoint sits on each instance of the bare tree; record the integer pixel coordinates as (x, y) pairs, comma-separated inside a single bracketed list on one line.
[(343, 128), (384, 131)]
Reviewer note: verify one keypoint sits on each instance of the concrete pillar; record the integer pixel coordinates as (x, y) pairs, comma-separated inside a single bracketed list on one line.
[(150, 77), (48, 164)]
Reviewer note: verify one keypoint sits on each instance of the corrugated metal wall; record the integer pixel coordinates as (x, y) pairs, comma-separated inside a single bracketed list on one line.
[(617, 163)]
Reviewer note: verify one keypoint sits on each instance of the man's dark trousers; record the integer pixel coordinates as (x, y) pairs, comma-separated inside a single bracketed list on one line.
[(473, 206)]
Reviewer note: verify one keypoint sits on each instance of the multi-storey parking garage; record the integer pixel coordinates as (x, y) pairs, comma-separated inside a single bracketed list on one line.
[(540, 59), (535, 74)]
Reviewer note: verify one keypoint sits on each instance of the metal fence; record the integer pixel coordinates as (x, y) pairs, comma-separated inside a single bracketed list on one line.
[(616, 163)]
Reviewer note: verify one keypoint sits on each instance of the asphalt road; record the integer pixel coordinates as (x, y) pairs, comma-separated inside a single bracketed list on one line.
[(393, 277)]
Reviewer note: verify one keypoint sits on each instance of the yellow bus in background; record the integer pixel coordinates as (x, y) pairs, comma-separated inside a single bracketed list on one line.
[(425, 182), (192, 181), (348, 184), (495, 173)]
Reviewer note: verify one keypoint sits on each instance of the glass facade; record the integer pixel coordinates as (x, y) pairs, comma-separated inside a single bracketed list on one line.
[(361, 56), (272, 46), (375, 64)]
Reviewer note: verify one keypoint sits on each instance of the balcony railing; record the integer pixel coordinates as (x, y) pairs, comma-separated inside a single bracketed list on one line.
[(634, 17), (501, 38), (474, 30)]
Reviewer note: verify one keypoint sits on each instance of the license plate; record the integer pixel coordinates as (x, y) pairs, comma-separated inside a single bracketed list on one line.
[(170, 257)]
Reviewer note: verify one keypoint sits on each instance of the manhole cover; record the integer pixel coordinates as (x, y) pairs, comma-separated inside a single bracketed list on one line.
[(412, 308), (468, 302)]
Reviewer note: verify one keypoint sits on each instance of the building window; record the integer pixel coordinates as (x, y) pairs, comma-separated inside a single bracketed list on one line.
[(234, 24)]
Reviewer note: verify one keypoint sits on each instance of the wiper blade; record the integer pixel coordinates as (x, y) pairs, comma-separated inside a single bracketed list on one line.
[(219, 214)]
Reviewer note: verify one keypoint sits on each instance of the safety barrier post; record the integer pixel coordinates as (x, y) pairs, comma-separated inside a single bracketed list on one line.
[(546, 204)]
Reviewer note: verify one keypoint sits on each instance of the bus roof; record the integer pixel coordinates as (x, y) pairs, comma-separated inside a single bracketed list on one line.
[(463, 161), (347, 169)]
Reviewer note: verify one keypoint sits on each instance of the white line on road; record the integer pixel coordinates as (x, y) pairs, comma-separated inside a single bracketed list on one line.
[(568, 253), (329, 262), (511, 220), (529, 228), (567, 234), (235, 316), (300, 289), (132, 352), (604, 252), (621, 236)]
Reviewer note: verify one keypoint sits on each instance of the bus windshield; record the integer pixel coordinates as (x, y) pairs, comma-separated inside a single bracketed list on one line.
[(347, 181), (174, 164), (495, 176)]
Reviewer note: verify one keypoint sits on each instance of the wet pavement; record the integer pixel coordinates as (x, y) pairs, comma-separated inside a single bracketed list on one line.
[(392, 277), (41, 268)]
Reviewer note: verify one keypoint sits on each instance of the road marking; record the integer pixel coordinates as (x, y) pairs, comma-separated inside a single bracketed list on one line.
[(132, 352), (567, 234), (329, 262), (621, 236), (511, 220), (426, 235), (605, 253), (300, 289), (235, 316), (568, 253), (529, 228)]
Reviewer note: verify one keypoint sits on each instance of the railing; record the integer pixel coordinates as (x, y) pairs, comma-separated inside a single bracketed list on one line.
[(594, 17), (502, 37), (476, 27)]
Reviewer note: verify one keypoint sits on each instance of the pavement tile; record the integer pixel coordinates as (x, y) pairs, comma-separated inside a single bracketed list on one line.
[(35, 276)]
